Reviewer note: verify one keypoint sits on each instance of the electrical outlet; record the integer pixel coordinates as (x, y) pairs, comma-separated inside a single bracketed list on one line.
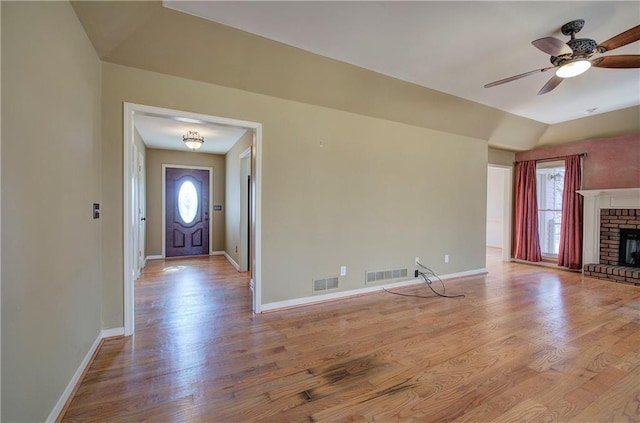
[(446, 258), (343, 270), (417, 261), (415, 273)]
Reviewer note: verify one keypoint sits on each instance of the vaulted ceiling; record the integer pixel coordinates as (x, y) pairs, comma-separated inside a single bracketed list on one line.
[(422, 63), (454, 47)]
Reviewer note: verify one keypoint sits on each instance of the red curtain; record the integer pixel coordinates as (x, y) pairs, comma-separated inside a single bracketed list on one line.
[(570, 253), (527, 241)]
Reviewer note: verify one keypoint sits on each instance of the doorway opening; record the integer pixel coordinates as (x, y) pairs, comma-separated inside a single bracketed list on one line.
[(131, 217), (499, 210)]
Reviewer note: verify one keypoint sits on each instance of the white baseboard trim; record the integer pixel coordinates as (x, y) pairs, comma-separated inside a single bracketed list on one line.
[(232, 261), (278, 305), (66, 394), (153, 257), (473, 272), (110, 333), (217, 253)]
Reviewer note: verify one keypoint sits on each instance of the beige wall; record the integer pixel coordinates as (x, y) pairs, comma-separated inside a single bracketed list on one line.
[(51, 175), (155, 159), (233, 189), (376, 194), (501, 157)]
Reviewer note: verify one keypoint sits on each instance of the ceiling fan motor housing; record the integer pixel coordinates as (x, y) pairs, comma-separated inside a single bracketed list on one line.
[(582, 45), (573, 27), (583, 48)]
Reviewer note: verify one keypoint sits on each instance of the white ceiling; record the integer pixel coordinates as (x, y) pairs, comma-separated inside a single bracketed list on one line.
[(165, 132), (454, 47)]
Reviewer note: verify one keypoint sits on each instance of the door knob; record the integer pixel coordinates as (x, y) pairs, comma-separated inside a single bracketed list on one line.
[(143, 218)]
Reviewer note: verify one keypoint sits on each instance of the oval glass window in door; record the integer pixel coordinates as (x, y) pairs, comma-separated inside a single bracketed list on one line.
[(187, 202)]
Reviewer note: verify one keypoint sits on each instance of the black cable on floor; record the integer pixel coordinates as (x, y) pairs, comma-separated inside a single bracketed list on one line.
[(408, 295), (428, 282)]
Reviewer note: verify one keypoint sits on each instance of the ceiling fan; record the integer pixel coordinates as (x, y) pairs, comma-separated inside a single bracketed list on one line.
[(574, 57)]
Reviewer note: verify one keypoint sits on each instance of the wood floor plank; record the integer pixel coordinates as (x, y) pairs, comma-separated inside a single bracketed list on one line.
[(618, 403), (526, 344)]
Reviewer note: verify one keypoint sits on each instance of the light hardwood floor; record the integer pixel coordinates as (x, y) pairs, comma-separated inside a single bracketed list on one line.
[(526, 344)]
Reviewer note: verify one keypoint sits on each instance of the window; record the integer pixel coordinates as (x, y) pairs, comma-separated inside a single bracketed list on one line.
[(550, 182), (187, 201)]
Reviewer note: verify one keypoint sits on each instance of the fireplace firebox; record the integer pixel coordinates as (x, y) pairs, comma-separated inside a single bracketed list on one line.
[(629, 247)]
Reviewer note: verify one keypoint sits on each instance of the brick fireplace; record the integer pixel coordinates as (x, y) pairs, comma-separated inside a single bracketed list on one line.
[(612, 223), (607, 215)]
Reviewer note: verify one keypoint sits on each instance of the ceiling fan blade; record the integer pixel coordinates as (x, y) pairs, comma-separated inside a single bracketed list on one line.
[(550, 85), (513, 78), (552, 46), (622, 61), (621, 39)]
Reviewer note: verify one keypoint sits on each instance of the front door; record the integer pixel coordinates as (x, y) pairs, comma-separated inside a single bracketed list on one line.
[(187, 212)]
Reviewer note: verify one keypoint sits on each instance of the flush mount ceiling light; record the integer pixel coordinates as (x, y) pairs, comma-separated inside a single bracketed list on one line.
[(193, 140), (574, 68)]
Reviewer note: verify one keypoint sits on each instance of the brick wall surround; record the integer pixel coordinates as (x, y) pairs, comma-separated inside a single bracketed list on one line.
[(611, 221)]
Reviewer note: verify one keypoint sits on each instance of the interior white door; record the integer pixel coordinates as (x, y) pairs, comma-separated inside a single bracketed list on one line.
[(244, 233), (142, 210)]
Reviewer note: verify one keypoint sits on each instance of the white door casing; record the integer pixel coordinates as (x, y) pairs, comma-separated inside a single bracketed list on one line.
[(130, 214)]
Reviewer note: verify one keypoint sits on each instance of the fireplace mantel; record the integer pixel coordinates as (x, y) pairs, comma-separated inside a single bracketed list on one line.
[(594, 201)]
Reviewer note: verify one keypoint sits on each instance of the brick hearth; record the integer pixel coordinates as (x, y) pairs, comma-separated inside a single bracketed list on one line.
[(611, 221), (628, 275)]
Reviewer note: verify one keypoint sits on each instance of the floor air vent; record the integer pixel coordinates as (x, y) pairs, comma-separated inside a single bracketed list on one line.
[(378, 276), (325, 284)]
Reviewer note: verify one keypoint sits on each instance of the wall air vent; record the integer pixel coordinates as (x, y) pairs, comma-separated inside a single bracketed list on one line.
[(325, 284), (378, 276)]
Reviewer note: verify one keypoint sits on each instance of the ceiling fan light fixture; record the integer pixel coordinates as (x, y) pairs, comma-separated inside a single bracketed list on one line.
[(574, 68), (193, 140)]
